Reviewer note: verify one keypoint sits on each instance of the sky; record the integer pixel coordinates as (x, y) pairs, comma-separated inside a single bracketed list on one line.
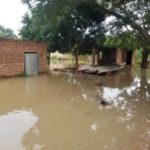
[(11, 12)]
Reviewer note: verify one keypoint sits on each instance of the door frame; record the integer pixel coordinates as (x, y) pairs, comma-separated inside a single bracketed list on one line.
[(37, 60)]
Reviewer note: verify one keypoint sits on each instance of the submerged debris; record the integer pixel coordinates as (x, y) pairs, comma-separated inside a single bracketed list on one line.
[(104, 103), (108, 70)]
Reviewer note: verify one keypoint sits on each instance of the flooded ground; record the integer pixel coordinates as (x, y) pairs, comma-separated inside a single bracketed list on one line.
[(59, 112)]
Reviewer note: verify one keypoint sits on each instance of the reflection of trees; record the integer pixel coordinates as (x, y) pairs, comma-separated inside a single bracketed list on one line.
[(145, 86), (33, 141), (132, 102), (139, 90), (130, 86)]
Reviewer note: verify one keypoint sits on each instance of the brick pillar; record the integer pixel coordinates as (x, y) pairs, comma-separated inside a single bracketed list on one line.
[(119, 54), (133, 58)]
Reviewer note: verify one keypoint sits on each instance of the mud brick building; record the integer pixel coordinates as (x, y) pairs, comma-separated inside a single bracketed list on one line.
[(115, 56), (21, 56)]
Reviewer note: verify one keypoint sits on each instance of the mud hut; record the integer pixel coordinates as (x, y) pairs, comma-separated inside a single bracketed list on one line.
[(115, 56)]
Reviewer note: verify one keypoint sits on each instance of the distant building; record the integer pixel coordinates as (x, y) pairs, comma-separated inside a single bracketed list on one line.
[(22, 57), (115, 56)]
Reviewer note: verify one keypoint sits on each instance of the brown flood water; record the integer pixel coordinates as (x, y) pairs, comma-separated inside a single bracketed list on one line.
[(59, 112)]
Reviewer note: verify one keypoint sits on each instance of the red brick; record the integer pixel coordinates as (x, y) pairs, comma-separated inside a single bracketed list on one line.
[(12, 56)]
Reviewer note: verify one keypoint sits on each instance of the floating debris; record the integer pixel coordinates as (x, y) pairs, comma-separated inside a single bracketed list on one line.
[(108, 70)]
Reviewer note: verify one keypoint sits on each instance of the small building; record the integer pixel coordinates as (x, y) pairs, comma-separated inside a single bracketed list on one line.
[(115, 56), (22, 57), (108, 56)]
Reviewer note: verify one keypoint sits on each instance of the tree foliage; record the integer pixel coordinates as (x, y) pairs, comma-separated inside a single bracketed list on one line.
[(124, 41), (6, 33), (130, 15), (62, 23), (66, 24)]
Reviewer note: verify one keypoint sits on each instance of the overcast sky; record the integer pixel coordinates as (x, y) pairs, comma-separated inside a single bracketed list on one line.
[(11, 12)]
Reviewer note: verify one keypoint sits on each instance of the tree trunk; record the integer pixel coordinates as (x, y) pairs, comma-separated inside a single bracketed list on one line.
[(76, 56), (98, 58), (144, 59), (93, 56), (48, 58)]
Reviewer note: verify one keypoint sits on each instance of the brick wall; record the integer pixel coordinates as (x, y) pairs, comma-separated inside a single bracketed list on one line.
[(12, 56), (120, 56)]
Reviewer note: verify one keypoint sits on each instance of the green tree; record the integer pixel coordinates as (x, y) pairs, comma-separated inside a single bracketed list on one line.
[(80, 24), (134, 15), (6, 33), (44, 17), (66, 29)]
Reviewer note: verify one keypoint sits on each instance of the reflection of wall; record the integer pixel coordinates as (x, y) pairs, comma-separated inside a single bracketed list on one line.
[(31, 86)]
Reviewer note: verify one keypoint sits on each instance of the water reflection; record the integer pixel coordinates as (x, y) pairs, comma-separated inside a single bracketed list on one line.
[(31, 85), (131, 102), (62, 112), (137, 90), (94, 126), (13, 126)]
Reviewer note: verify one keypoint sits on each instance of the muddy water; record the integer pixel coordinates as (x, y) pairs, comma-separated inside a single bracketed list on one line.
[(60, 112)]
